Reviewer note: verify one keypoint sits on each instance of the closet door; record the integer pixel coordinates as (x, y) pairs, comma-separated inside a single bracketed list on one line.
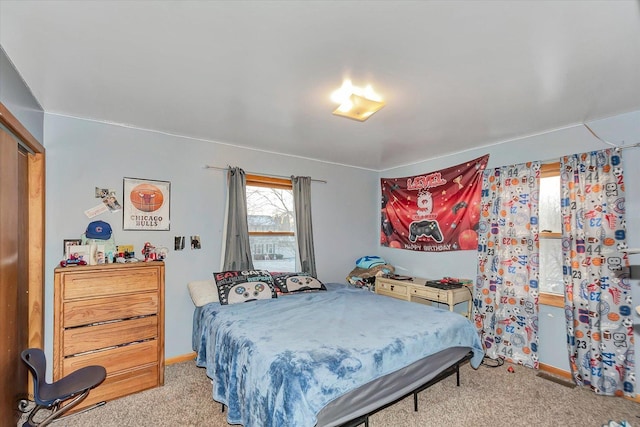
[(14, 308), (22, 198)]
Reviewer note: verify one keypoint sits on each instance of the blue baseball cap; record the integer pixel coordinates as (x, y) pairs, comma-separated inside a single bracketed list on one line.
[(98, 230)]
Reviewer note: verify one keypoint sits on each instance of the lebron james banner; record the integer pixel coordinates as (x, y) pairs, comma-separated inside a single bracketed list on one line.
[(434, 212), (146, 204)]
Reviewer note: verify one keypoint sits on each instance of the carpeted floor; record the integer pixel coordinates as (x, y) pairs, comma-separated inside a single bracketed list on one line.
[(487, 397)]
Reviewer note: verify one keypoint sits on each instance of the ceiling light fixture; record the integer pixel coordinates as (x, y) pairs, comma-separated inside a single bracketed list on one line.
[(356, 103)]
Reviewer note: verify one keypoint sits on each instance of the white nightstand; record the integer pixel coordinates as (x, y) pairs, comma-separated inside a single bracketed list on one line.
[(416, 291)]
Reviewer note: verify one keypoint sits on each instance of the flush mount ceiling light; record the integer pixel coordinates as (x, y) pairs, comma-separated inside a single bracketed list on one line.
[(356, 103)]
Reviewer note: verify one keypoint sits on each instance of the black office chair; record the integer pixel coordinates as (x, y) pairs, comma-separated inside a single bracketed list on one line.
[(50, 396)]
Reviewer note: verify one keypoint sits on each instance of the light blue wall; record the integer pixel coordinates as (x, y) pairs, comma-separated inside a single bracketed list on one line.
[(82, 155), (17, 97), (622, 129)]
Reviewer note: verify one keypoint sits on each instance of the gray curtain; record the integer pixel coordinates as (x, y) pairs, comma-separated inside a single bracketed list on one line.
[(304, 229), (237, 253)]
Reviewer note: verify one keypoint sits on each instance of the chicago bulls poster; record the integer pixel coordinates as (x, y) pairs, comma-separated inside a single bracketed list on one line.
[(146, 204), (433, 212)]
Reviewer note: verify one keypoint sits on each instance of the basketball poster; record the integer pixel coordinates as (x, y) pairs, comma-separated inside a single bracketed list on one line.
[(433, 212), (146, 204)]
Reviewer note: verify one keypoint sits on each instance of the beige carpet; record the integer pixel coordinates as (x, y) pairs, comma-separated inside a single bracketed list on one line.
[(487, 397)]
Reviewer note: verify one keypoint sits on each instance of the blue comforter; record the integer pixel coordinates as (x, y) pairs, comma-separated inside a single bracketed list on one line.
[(278, 362)]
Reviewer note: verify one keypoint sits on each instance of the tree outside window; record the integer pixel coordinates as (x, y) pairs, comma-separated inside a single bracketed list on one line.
[(271, 219), (550, 237)]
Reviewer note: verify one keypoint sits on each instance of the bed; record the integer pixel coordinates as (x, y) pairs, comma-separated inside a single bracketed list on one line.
[(325, 358)]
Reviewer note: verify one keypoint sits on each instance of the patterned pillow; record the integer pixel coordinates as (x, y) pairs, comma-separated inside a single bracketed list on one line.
[(243, 286), (297, 282)]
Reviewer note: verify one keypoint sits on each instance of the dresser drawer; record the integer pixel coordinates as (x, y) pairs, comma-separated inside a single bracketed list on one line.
[(429, 293), (115, 359), (393, 289), (84, 312), (93, 284), (95, 337), (122, 384)]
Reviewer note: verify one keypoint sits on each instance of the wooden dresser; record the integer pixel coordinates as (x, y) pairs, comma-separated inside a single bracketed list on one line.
[(110, 315), (415, 290)]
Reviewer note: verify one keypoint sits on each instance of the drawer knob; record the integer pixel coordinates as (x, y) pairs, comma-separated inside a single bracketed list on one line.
[(392, 287)]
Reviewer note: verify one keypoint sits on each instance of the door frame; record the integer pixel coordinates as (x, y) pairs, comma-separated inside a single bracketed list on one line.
[(36, 200)]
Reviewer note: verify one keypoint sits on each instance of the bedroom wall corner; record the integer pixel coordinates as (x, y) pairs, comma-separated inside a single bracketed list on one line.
[(18, 98)]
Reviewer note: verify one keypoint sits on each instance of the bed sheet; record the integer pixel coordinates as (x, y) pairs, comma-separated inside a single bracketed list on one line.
[(278, 362)]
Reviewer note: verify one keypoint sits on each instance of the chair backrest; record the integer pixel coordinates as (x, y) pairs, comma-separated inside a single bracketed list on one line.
[(37, 363)]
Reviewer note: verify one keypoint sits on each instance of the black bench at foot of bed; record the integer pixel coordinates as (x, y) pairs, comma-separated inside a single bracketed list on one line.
[(455, 368)]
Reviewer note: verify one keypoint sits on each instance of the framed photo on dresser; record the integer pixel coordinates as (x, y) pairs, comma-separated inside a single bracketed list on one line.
[(67, 243)]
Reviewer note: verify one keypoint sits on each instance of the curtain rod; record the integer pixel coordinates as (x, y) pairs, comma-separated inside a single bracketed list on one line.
[(622, 147), (263, 174)]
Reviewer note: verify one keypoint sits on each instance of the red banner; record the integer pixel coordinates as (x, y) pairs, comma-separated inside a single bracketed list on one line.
[(434, 212)]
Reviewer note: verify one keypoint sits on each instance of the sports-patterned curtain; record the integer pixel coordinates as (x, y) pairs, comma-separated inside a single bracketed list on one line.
[(506, 297), (598, 305)]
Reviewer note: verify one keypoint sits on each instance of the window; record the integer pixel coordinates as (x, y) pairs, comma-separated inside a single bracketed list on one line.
[(271, 223), (550, 235)]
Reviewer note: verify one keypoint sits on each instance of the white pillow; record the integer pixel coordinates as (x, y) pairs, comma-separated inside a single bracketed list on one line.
[(203, 292)]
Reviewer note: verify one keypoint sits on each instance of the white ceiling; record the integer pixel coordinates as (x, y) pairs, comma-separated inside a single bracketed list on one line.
[(259, 74)]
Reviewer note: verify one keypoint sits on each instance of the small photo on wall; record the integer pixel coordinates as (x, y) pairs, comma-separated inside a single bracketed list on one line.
[(111, 201), (179, 243), (195, 242)]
